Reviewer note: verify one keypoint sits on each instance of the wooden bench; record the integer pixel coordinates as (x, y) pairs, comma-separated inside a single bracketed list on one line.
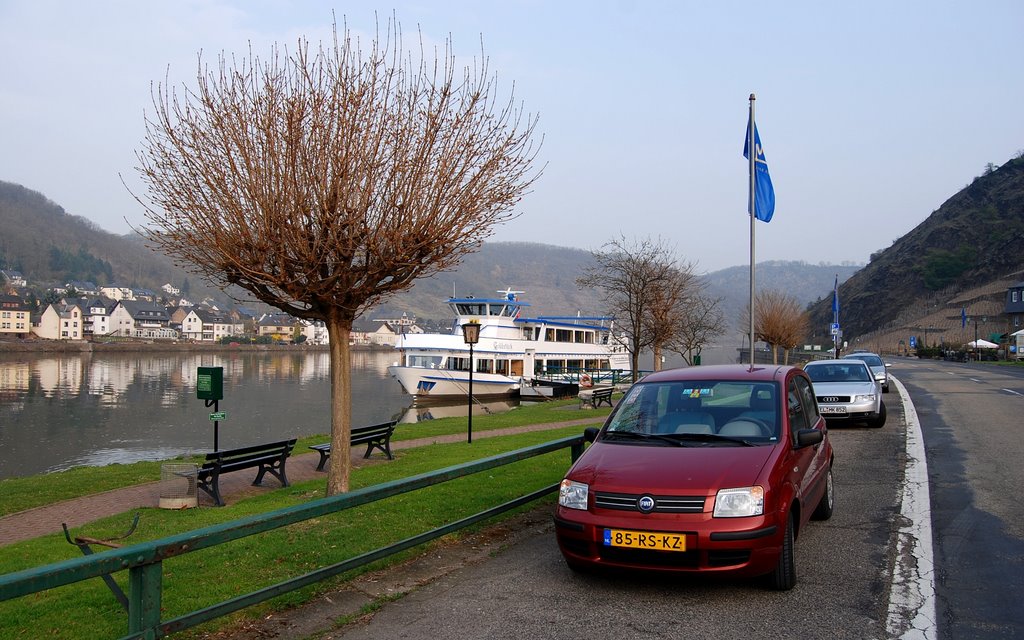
[(267, 457), (597, 397), (377, 436)]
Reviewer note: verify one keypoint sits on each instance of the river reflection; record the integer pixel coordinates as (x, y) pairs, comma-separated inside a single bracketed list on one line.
[(64, 410)]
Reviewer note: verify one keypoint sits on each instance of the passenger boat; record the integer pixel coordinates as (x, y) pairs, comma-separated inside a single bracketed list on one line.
[(512, 351)]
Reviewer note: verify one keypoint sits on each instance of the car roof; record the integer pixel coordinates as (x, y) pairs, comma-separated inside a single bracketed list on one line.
[(842, 361), (731, 372), (858, 354)]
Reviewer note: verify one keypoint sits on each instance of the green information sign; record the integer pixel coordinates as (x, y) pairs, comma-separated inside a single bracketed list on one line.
[(219, 415), (210, 383)]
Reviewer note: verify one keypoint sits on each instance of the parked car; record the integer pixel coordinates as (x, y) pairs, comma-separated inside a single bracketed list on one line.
[(847, 390), (711, 470), (878, 368)]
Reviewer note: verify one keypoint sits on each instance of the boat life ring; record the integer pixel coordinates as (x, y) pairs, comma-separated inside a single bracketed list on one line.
[(586, 381)]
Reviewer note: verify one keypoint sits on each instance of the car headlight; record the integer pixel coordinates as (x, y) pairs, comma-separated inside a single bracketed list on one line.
[(573, 495), (738, 503), (869, 397)]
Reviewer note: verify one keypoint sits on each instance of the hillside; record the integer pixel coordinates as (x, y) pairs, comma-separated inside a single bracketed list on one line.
[(51, 247), (969, 243)]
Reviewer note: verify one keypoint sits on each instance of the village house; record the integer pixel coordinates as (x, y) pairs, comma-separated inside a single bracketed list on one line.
[(13, 278), (204, 325), (140, 319), (388, 331), (116, 293), (95, 315), (15, 317), (61, 322), (278, 326)]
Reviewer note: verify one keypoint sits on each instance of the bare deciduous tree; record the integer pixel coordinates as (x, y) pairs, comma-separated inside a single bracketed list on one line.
[(641, 284), (700, 320), (327, 179), (779, 321)]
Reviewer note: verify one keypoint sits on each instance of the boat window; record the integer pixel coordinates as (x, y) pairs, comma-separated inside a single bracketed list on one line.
[(484, 366), (549, 335), (458, 364), (501, 366), (431, 362)]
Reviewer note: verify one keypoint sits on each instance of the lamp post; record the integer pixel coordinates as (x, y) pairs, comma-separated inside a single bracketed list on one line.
[(471, 334)]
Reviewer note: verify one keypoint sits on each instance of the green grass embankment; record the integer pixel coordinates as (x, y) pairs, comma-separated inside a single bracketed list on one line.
[(196, 580)]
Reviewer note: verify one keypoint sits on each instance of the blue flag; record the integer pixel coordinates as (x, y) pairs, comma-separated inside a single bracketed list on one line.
[(963, 317), (764, 193), (835, 300)]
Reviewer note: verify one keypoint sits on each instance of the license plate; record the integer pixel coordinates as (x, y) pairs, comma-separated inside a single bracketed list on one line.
[(832, 409), (644, 540)]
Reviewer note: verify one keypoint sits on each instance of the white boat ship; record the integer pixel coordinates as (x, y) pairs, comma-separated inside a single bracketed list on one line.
[(513, 351)]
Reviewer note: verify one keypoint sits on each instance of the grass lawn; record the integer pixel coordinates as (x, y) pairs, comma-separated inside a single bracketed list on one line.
[(196, 580)]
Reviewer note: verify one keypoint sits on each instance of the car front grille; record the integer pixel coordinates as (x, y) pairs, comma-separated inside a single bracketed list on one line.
[(833, 399), (662, 504)]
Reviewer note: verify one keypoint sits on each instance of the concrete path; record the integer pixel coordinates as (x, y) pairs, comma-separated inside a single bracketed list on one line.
[(45, 520)]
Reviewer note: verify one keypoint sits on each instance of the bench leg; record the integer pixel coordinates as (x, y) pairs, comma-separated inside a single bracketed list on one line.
[(212, 487), (324, 456)]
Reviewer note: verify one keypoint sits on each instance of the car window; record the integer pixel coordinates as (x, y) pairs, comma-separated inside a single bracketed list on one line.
[(796, 406), (810, 402), (871, 361)]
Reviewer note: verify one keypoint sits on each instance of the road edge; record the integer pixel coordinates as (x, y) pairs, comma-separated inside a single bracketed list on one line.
[(912, 611)]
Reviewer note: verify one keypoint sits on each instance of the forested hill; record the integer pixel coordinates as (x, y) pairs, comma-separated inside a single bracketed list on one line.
[(974, 238), (50, 248)]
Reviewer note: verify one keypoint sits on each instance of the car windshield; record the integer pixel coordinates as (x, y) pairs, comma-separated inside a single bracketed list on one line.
[(871, 361), (697, 413), (855, 371)]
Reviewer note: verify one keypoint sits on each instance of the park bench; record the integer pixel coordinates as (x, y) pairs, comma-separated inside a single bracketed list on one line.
[(377, 436), (267, 457), (596, 397)]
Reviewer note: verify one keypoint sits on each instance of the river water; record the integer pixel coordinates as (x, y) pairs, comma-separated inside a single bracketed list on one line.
[(60, 410)]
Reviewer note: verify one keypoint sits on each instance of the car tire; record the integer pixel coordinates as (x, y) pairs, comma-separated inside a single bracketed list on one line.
[(879, 420), (824, 509), (783, 578), (885, 388)]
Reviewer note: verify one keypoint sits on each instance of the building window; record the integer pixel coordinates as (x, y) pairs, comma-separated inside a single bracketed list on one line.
[(1013, 295)]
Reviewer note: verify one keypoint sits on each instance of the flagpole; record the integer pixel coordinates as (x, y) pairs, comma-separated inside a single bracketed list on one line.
[(753, 159)]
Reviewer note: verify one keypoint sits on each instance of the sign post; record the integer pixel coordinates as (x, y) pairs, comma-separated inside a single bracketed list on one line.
[(210, 388)]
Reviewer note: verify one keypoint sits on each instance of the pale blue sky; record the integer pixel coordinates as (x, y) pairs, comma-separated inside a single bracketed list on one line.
[(872, 114)]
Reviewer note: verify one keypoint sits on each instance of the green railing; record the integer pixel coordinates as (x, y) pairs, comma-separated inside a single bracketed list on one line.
[(144, 561)]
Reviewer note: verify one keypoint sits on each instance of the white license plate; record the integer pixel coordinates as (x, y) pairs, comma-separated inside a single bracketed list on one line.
[(833, 410)]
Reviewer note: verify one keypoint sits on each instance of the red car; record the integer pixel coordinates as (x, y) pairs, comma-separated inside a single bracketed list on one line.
[(706, 469)]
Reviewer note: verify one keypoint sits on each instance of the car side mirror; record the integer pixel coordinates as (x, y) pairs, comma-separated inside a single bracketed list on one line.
[(808, 437), (590, 434)]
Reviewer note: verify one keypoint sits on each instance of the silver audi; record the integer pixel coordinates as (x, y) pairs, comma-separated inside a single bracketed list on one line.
[(847, 390)]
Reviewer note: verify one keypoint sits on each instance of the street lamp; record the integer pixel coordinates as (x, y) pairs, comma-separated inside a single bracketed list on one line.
[(471, 334)]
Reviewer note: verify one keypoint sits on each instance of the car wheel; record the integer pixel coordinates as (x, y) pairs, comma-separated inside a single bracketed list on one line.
[(824, 509), (885, 388), (879, 420), (783, 578)]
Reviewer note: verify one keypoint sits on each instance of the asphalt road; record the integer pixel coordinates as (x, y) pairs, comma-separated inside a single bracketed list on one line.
[(972, 418), (844, 567)]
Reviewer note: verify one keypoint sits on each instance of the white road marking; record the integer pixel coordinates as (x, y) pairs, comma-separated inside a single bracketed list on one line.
[(1013, 392), (912, 613)]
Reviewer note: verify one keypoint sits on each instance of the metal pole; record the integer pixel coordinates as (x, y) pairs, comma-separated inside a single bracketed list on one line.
[(753, 158), (470, 439)]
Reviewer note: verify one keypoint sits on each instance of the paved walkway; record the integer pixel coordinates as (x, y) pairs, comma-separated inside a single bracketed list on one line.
[(41, 521)]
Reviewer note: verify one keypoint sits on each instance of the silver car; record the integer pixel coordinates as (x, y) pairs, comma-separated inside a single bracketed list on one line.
[(847, 390), (874, 362)]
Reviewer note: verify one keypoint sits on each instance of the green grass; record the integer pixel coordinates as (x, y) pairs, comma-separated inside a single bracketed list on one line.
[(197, 580), (19, 494)]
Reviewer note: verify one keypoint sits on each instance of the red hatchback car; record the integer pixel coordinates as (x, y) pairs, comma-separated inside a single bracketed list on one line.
[(705, 469)]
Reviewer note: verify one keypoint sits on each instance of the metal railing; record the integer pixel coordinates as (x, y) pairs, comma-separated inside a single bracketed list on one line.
[(144, 561)]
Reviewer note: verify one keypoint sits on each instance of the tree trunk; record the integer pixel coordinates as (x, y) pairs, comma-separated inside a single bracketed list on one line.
[(657, 358), (341, 405)]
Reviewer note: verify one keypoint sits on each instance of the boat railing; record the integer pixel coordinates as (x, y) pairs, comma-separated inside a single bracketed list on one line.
[(598, 377)]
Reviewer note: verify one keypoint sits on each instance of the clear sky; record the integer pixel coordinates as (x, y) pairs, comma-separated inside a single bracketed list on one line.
[(871, 113)]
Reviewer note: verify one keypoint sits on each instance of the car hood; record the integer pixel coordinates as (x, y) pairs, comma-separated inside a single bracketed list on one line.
[(698, 469), (844, 388)]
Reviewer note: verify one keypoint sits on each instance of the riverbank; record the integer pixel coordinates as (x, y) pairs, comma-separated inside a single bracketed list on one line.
[(40, 345)]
